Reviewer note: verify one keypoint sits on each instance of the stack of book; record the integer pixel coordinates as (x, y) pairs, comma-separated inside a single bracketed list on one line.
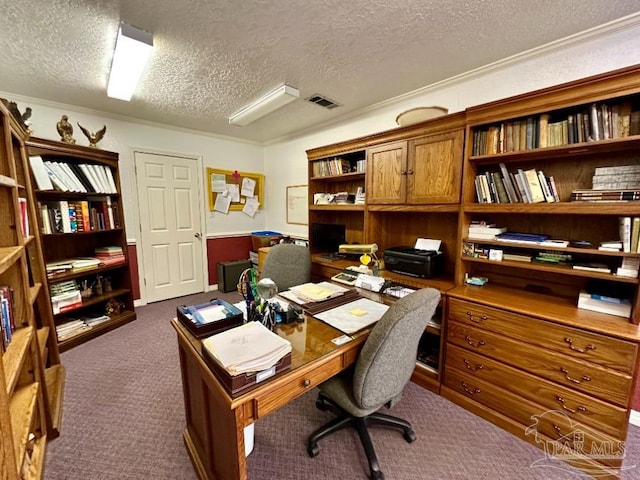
[(611, 246), (629, 267), (612, 305), (65, 296), (516, 257), (513, 237), (479, 230), (70, 329), (553, 258), (592, 267), (609, 195), (616, 178), (109, 255)]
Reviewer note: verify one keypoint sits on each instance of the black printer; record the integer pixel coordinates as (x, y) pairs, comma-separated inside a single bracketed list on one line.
[(413, 261)]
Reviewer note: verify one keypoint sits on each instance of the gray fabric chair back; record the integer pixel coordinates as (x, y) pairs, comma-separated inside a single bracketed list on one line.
[(287, 265), (388, 357)]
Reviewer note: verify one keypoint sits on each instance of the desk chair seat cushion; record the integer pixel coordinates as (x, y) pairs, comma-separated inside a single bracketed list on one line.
[(287, 265)]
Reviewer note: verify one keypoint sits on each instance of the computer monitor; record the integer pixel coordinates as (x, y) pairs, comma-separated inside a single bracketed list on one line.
[(327, 237)]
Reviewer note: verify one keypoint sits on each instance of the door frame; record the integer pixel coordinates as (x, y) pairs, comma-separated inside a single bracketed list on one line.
[(138, 228)]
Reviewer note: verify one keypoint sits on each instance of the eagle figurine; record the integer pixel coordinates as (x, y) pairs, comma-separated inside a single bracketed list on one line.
[(93, 137), (65, 130)]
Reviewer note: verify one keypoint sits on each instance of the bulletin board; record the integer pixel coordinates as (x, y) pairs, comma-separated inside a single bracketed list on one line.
[(297, 204), (235, 177)]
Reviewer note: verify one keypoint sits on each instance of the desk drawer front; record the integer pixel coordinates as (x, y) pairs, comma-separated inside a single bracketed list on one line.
[(608, 385), (296, 386), (606, 351), (533, 417), (577, 406)]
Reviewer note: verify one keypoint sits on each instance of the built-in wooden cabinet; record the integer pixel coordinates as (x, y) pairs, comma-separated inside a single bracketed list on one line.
[(31, 377), (107, 298), (519, 347)]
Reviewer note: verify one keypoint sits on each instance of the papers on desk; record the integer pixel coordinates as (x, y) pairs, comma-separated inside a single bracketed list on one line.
[(353, 316), (317, 292), (251, 347)]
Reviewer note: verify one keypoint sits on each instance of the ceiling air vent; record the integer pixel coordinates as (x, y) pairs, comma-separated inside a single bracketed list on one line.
[(322, 101)]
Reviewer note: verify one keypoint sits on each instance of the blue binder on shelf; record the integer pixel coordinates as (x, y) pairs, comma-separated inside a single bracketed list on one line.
[(210, 318)]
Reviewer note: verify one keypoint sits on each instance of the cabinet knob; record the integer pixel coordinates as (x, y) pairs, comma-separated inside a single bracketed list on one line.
[(409, 172), (306, 383)]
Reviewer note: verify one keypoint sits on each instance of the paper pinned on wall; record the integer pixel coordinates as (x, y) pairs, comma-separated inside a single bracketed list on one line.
[(251, 206), (234, 192), (248, 187), (218, 183), (223, 202)]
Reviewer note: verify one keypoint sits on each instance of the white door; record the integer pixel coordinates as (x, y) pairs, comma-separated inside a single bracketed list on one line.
[(170, 225)]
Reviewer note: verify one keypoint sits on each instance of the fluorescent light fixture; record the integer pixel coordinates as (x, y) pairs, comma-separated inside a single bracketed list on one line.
[(133, 48), (271, 101)]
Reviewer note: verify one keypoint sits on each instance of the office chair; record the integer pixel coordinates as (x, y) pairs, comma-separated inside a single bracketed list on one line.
[(287, 265), (383, 368)]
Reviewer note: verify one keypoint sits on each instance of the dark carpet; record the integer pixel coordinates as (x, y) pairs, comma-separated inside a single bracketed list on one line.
[(123, 419)]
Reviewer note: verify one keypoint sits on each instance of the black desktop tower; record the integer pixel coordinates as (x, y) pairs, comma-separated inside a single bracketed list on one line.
[(229, 274)]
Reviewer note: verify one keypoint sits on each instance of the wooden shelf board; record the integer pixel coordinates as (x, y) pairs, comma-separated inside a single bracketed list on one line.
[(8, 256), (555, 309), (342, 207), (29, 240), (55, 379), (7, 181), (22, 409), (15, 356), (83, 273), (562, 270), (629, 208), (95, 300), (33, 292), (58, 236), (99, 329), (338, 178), (37, 459), (43, 336), (585, 251)]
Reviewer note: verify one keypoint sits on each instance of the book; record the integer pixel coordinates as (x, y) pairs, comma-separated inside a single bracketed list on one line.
[(625, 233), (604, 304), (40, 173), (522, 237), (535, 188), (592, 267)]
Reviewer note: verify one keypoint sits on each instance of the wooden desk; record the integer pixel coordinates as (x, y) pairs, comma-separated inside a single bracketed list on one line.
[(214, 435)]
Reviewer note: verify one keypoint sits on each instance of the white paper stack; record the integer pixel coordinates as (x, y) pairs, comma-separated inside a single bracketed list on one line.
[(317, 292), (251, 347)]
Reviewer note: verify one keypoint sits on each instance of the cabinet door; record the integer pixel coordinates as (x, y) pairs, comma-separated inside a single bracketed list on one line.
[(434, 168), (386, 173)]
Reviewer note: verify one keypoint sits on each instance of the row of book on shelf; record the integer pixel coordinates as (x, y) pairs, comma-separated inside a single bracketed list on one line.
[(72, 177), (598, 121), (337, 166), (522, 186), (75, 326), (610, 184), (71, 216), (7, 318), (103, 256)]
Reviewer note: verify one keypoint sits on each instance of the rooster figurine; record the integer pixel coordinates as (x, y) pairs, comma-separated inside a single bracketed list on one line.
[(93, 137)]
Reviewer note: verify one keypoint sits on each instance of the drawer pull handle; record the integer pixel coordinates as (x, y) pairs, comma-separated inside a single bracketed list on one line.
[(477, 344), (585, 378), (577, 349), (468, 390), (570, 410), (473, 369), (306, 383), (475, 319)]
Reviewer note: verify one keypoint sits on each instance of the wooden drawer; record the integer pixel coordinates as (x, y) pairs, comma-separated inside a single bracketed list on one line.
[(538, 419), (295, 386), (606, 384), (579, 407), (606, 351)]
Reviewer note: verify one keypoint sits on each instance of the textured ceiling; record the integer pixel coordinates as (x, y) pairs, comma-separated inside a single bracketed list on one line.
[(212, 57)]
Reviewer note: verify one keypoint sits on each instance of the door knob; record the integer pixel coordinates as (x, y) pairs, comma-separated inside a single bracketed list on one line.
[(197, 235)]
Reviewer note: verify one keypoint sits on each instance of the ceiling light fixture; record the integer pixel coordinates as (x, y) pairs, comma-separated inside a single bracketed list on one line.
[(133, 48), (271, 101)]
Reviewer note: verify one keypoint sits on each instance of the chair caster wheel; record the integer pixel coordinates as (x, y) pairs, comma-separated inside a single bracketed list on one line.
[(312, 449), (321, 405), (377, 475), (409, 436)]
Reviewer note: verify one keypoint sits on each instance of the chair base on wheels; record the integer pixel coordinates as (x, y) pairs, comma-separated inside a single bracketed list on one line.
[(361, 425)]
